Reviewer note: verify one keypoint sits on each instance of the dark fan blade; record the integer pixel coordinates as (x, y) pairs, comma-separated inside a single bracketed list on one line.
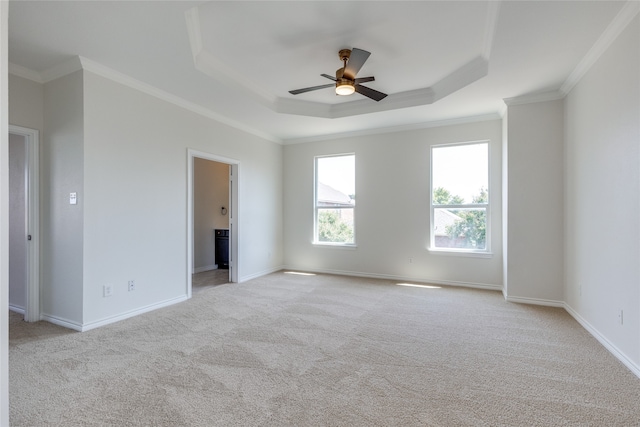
[(309, 89), (364, 80), (370, 93), (356, 61), (329, 77)]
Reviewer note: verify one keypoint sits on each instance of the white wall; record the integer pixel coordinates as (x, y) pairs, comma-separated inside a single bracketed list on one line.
[(392, 212), (603, 195), (17, 223), (210, 194), (535, 212), (135, 176), (62, 227)]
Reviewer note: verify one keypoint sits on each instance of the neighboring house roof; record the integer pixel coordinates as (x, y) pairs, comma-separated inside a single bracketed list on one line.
[(442, 219), (329, 196)]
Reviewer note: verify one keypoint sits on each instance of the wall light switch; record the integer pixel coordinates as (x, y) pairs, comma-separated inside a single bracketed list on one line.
[(73, 198)]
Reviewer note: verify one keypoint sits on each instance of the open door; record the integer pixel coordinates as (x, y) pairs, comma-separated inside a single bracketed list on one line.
[(24, 221), (231, 210)]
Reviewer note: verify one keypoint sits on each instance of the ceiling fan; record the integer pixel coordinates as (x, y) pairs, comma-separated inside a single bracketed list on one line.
[(345, 80)]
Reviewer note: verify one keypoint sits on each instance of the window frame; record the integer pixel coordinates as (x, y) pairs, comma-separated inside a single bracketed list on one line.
[(481, 253), (316, 208)]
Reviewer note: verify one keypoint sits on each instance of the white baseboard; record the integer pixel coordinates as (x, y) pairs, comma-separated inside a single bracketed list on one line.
[(65, 323), (487, 286), (535, 301), (108, 320), (259, 274), (633, 367), (205, 268), (16, 309), (132, 313)]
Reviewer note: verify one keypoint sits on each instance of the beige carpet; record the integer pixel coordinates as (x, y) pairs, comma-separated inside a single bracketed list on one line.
[(290, 350)]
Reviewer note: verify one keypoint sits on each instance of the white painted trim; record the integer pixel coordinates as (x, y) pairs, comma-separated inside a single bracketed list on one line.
[(633, 367), (260, 274), (16, 309), (60, 70), (460, 252), (32, 140), (394, 129), (486, 286), (534, 301), (617, 25), (205, 268), (25, 73), (132, 313), (234, 213), (125, 80), (210, 64), (65, 323), (534, 97)]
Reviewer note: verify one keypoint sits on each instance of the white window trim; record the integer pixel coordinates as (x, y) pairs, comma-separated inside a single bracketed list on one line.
[(475, 253), (315, 240)]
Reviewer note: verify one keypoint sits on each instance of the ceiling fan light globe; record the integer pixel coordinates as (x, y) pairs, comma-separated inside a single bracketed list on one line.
[(344, 89)]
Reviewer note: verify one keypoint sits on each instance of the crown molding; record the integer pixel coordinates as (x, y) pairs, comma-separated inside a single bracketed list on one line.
[(125, 80), (396, 129), (53, 73), (534, 97), (81, 63), (617, 25), (207, 63), (70, 66), (25, 73)]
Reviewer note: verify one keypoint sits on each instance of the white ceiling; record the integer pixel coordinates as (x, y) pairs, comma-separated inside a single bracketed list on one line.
[(236, 61)]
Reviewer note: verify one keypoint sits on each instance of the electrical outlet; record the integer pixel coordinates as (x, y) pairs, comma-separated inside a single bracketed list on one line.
[(132, 285), (107, 290)]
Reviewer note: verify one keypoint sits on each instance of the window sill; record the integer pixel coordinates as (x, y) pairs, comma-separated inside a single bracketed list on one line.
[(462, 253), (335, 245)]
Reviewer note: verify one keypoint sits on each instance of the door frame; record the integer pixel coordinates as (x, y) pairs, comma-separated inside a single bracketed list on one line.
[(233, 211), (32, 141)]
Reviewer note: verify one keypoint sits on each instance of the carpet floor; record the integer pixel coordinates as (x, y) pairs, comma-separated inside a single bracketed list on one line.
[(322, 350)]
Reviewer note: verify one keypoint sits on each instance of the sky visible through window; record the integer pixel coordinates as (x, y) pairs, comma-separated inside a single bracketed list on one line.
[(338, 173), (461, 169)]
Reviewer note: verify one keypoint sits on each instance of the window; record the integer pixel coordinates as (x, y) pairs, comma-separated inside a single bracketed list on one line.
[(460, 197), (335, 200)]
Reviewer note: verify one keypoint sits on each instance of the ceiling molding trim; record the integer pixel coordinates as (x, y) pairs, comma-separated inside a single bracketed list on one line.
[(301, 108), (502, 111), (493, 10), (193, 29), (210, 65), (67, 67), (470, 72), (25, 73), (213, 67), (394, 101), (132, 83), (617, 25), (395, 129), (534, 97)]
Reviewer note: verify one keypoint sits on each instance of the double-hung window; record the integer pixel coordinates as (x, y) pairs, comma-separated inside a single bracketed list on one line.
[(460, 197), (335, 199)]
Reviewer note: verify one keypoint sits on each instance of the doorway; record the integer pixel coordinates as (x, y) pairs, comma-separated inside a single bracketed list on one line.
[(24, 246), (212, 212)]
